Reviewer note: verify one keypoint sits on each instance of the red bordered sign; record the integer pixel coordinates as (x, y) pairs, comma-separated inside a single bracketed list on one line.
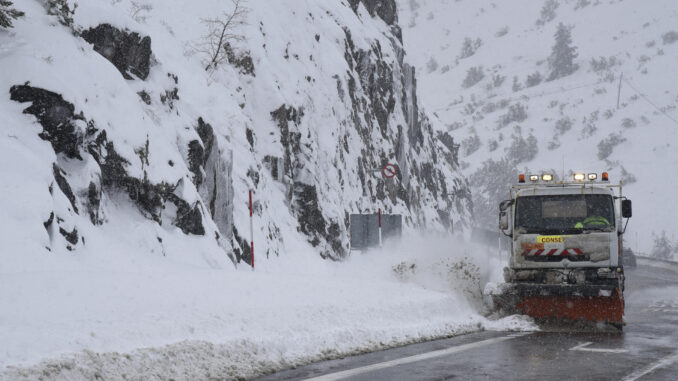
[(389, 171)]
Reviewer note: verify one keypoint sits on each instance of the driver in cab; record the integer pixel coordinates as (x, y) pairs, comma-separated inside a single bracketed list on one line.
[(595, 219)]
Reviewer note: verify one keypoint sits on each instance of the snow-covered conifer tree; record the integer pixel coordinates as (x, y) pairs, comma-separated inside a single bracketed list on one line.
[(561, 61), (8, 14)]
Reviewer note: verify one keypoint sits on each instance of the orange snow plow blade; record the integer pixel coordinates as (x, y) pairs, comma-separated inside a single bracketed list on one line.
[(607, 309)]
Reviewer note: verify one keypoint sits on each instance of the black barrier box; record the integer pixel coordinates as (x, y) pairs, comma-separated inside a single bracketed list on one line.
[(364, 229)]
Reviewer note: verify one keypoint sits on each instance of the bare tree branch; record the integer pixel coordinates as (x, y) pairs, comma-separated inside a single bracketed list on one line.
[(220, 32)]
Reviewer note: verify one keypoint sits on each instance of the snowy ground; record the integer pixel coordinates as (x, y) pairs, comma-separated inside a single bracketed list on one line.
[(161, 319)]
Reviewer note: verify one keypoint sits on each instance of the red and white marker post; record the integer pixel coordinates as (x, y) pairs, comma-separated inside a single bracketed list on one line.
[(251, 232), (379, 227)]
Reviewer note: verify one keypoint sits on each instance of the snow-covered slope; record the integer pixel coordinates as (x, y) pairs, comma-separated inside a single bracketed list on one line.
[(508, 122), (320, 89), (126, 168)]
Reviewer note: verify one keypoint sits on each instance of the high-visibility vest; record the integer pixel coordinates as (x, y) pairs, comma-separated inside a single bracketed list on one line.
[(592, 222)]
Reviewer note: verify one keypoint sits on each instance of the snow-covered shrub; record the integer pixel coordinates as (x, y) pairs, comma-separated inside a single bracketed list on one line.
[(561, 61), (503, 31), (563, 125), (627, 177), (516, 86), (606, 146), (515, 113), (498, 80), (554, 143), (431, 65), (663, 247), (548, 12), (670, 37), (533, 79), (582, 4), (492, 145), (589, 129), (469, 47), (489, 184), (522, 149), (473, 76), (602, 63), (139, 11), (471, 144), (628, 123), (62, 10), (8, 14)]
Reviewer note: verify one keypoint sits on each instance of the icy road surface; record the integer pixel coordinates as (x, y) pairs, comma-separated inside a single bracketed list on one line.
[(647, 350)]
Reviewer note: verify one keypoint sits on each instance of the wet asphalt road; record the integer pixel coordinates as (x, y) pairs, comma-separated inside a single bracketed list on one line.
[(646, 350)]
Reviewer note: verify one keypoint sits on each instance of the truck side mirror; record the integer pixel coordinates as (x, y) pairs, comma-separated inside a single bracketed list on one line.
[(626, 208), (503, 220), (504, 205)]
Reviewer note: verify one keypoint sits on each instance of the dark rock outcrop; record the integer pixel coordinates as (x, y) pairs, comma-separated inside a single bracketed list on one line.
[(71, 237), (385, 9), (242, 61), (241, 248), (94, 203), (64, 186), (149, 197), (55, 115), (214, 182), (189, 218), (127, 51), (171, 95), (312, 222), (284, 116), (196, 160)]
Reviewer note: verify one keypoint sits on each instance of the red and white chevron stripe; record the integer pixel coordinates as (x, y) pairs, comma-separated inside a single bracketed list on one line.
[(551, 252)]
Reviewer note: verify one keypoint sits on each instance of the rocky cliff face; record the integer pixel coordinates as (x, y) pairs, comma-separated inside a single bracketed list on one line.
[(311, 104)]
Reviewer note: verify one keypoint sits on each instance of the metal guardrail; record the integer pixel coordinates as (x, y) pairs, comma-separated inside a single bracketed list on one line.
[(656, 262)]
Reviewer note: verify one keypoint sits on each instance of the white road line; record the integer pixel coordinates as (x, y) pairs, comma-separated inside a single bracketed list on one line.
[(665, 361), (583, 347), (411, 359)]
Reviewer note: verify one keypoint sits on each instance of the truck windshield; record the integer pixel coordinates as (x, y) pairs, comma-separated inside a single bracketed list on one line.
[(564, 214)]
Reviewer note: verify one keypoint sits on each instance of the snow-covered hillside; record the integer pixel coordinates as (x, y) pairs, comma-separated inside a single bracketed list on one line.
[(485, 67)]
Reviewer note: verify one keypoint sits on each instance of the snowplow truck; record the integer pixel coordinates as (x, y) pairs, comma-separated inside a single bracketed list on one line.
[(566, 249)]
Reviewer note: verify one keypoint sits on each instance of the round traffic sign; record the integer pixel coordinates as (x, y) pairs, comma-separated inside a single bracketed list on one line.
[(389, 171)]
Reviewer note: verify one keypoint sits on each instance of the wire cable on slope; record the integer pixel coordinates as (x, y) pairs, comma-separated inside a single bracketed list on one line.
[(637, 91)]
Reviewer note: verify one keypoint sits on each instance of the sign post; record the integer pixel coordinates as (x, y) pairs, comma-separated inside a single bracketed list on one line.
[(379, 227), (251, 233)]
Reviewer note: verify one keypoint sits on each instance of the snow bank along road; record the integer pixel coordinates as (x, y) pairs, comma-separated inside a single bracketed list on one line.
[(646, 350)]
